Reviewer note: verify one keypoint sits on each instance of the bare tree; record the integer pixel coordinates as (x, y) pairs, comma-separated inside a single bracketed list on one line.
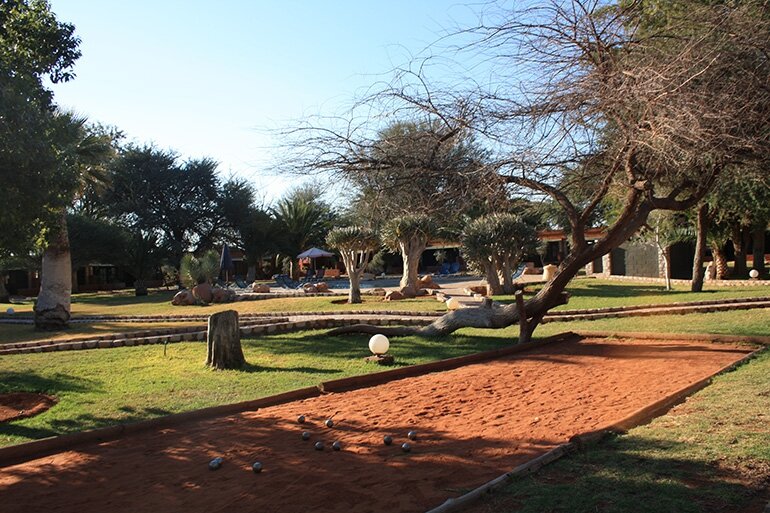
[(644, 115)]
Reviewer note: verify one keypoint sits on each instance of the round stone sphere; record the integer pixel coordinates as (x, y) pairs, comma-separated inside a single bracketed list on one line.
[(452, 303), (257, 467), (379, 344), (753, 273)]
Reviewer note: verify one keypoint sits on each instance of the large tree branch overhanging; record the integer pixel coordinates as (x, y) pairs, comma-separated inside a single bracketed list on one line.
[(644, 110)]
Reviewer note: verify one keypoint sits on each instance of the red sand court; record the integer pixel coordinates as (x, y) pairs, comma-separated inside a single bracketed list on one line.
[(473, 424)]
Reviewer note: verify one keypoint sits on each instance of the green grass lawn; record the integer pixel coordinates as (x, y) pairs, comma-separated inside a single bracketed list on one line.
[(710, 454)]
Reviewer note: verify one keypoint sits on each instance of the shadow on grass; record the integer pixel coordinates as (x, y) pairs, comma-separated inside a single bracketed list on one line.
[(406, 350), (30, 382), (627, 474)]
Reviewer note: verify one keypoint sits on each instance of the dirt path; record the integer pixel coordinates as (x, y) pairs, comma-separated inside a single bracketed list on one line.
[(473, 424)]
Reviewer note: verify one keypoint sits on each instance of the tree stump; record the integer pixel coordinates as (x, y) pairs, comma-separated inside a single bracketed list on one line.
[(223, 340)]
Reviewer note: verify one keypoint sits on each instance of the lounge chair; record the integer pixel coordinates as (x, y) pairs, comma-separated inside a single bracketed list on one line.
[(519, 271), (286, 282)]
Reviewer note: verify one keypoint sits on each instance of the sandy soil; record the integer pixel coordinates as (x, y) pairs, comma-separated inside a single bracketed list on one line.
[(473, 424), (17, 405)]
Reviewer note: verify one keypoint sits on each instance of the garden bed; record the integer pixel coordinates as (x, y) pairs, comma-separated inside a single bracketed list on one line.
[(473, 423)]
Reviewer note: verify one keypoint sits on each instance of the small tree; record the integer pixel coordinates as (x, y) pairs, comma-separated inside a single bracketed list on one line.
[(194, 270), (356, 245), (496, 243), (409, 235)]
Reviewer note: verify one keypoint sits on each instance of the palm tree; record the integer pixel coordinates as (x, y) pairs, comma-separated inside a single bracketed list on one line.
[(83, 153), (304, 220)]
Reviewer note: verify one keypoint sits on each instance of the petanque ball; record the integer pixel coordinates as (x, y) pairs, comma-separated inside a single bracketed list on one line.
[(301, 419), (329, 423), (406, 447), (319, 446), (9, 311), (256, 467), (305, 435), (337, 446), (216, 463), (387, 439), (412, 435)]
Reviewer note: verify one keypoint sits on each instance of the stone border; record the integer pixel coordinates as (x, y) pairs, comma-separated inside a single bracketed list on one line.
[(640, 417), (20, 453)]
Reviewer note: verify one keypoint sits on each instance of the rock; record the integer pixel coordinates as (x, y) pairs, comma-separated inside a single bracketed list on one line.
[(549, 271), (711, 271), (377, 292), (453, 304), (183, 298), (309, 288), (260, 288), (203, 292), (394, 295), (322, 287), (220, 295), (427, 282), (476, 289)]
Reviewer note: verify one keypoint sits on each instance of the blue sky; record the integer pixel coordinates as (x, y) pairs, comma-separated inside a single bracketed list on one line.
[(206, 78)]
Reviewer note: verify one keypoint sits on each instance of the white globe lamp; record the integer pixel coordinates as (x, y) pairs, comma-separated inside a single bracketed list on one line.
[(754, 274), (379, 344)]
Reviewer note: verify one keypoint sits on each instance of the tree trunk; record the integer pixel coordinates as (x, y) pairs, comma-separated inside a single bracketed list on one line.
[(758, 236), (410, 255), (739, 270), (667, 267), (75, 287), (355, 286), (493, 279), (5, 297), (720, 261), (508, 287), (700, 249), (52, 308), (223, 341)]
